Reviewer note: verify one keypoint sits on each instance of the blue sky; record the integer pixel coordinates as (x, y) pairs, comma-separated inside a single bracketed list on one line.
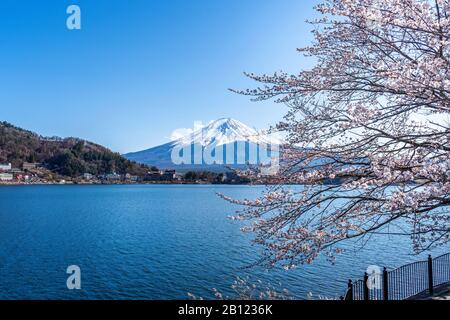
[(138, 69)]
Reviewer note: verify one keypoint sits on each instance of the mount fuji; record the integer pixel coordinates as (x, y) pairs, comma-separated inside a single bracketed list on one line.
[(224, 134)]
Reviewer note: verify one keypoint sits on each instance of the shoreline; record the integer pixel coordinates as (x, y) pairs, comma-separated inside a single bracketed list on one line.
[(119, 184)]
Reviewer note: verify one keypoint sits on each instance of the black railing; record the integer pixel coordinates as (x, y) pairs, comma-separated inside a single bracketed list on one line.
[(402, 283)]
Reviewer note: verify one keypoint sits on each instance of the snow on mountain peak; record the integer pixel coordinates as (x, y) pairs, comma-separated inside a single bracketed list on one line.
[(225, 131)]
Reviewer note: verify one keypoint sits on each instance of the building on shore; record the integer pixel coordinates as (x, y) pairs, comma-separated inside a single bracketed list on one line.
[(154, 175), (20, 177), (112, 177), (168, 175), (88, 176), (30, 166), (6, 177), (5, 167), (130, 178), (157, 175)]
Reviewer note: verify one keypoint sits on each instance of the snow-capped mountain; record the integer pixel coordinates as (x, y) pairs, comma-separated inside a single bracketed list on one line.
[(225, 133)]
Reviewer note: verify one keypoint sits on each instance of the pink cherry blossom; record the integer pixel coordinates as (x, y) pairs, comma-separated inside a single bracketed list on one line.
[(367, 133)]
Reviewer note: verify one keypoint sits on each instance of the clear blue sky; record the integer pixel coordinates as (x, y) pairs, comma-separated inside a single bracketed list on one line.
[(139, 69)]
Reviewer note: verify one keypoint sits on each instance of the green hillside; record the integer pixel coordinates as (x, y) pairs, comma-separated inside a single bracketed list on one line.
[(69, 157)]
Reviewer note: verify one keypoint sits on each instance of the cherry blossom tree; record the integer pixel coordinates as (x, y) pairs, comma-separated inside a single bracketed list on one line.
[(367, 133), (245, 289)]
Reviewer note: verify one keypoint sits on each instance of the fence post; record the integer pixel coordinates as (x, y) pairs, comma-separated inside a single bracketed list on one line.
[(349, 295), (366, 286), (385, 285), (430, 274)]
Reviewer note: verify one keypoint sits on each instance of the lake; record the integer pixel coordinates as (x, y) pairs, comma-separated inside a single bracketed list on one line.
[(151, 242)]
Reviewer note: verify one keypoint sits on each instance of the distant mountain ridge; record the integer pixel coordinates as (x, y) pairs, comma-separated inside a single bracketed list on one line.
[(223, 133), (66, 156)]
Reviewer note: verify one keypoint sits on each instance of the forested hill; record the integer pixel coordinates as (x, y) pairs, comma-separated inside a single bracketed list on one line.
[(70, 156)]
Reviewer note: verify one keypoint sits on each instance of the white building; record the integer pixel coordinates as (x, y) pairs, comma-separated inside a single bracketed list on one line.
[(6, 177), (5, 167), (113, 177), (88, 176)]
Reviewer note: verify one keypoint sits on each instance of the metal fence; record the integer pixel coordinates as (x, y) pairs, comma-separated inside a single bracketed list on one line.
[(401, 283)]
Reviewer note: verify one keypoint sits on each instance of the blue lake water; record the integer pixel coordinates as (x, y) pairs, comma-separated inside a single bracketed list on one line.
[(151, 242)]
